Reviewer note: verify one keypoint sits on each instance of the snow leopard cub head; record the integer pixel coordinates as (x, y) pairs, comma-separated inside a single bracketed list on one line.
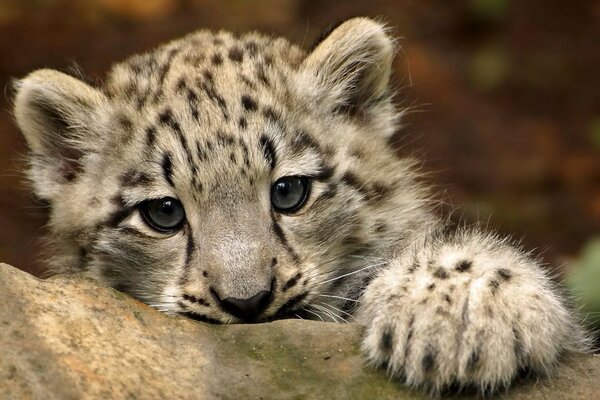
[(227, 178)]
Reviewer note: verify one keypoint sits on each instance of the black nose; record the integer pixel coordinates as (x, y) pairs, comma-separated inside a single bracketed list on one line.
[(247, 309)]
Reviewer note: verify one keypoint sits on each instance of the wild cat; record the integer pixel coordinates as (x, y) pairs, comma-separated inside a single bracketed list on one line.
[(242, 179)]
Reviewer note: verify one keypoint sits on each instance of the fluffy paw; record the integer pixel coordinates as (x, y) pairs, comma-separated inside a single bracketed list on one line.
[(466, 315)]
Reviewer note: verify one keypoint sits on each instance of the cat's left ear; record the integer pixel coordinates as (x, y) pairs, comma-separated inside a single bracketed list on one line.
[(350, 69)]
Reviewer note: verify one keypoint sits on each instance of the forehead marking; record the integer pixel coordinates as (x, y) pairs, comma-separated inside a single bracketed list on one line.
[(167, 166), (268, 149)]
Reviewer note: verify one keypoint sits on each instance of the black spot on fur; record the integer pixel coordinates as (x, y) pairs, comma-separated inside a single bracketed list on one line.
[(381, 227), (428, 361), (447, 298), (441, 273), (224, 139), (205, 274), (441, 311), (243, 123), (504, 273), (167, 166), (325, 172), (197, 300), (217, 59), (193, 104), (208, 76), (134, 178), (431, 287), (199, 317), (282, 238), (463, 265), (251, 47), (272, 115), (288, 308), (202, 156), (118, 200), (518, 346), (409, 336), (167, 118), (358, 153), (181, 85), (249, 103), (150, 136), (83, 258), (268, 149), (349, 178), (119, 215), (236, 54), (413, 267), (208, 87), (386, 344), (473, 359), (302, 140), (292, 282), (494, 285), (247, 82), (262, 77), (189, 248), (126, 127)]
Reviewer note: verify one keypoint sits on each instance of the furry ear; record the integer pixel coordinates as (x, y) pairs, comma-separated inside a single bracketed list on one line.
[(351, 67), (60, 118)]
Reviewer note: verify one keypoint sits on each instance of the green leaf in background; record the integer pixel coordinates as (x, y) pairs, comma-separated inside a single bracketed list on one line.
[(489, 67), (488, 9), (585, 281), (594, 132)]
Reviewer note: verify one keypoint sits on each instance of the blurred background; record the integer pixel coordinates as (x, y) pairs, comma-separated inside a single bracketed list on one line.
[(505, 100)]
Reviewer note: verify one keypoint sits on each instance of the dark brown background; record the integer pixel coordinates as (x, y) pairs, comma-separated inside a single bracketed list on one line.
[(506, 96)]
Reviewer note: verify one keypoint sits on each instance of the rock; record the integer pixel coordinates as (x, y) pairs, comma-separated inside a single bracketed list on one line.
[(68, 338)]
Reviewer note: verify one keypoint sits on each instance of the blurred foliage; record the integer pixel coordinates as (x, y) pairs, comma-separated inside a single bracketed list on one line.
[(489, 9), (594, 133), (489, 68), (585, 282)]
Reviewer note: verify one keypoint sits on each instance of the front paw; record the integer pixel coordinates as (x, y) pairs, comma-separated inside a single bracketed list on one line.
[(436, 348), (456, 323)]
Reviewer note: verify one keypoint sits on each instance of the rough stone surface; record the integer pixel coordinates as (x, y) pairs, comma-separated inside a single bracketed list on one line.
[(67, 338)]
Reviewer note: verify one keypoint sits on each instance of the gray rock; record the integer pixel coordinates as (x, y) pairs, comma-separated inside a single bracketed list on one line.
[(68, 338)]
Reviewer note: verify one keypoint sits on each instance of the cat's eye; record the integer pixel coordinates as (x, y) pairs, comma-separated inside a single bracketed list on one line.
[(164, 215), (288, 194)]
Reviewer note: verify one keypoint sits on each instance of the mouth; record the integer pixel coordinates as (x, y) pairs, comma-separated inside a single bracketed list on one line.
[(294, 308)]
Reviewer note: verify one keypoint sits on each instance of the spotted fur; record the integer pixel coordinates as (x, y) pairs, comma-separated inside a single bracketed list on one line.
[(213, 120)]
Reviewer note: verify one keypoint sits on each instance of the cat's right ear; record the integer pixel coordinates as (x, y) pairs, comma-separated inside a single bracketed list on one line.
[(61, 119)]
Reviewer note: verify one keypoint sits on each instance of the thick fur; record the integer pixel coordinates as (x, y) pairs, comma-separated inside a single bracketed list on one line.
[(213, 120)]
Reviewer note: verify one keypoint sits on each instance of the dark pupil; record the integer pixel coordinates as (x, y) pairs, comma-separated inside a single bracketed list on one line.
[(165, 213), (288, 193)]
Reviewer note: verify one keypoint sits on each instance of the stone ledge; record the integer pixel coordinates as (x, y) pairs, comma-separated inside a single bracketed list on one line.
[(68, 338)]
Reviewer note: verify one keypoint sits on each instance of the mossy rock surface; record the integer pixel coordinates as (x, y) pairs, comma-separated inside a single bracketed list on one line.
[(67, 338)]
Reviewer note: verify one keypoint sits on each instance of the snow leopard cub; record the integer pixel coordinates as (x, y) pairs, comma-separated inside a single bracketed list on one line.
[(240, 179)]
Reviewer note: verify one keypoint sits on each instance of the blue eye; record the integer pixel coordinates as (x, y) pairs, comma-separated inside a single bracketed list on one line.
[(164, 215), (288, 194)]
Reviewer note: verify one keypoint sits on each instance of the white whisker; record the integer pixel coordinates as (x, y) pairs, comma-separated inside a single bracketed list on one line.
[(340, 310), (339, 297), (314, 313), (352, 273)]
